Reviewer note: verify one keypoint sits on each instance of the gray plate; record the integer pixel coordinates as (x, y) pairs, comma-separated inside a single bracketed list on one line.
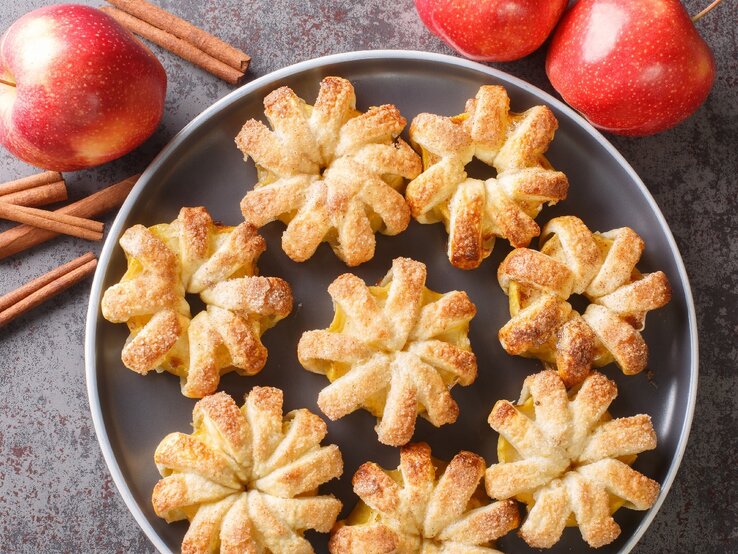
[(202, 166)]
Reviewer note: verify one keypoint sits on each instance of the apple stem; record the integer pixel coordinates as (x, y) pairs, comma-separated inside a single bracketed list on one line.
[(9, 83), (704, 12)]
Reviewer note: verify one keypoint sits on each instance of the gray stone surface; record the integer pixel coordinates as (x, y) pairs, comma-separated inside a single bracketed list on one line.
[(55, 492)]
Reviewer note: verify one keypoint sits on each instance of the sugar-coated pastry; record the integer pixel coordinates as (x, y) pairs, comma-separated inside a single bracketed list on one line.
[(600, 266), (247, 478), (330, 172), (395, 350), (475, 212), (425, 506), (563, 455), (197, 256)]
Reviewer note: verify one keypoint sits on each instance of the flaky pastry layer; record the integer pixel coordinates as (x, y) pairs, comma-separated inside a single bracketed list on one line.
[(395, 350), (602, 268), (423, 506), (247, 478), (328, 171), (475, 212), (566, 457), (196, 256)]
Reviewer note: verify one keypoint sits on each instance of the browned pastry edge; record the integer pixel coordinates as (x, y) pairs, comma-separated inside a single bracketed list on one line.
[(440, 497)]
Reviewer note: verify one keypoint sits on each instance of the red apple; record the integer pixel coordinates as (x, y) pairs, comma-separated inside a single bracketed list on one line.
[(491, 30), (632, 67), (76, 89)]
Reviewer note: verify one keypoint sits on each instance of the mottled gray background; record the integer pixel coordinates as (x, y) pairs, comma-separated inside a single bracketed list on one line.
[(55, 492)]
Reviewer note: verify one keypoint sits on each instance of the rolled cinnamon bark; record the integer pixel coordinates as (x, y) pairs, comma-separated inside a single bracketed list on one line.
[(59, 223), (14, 297), (177, 46), (202, 40), (71, 273), (30, 182), (23, 237), (37, 196)]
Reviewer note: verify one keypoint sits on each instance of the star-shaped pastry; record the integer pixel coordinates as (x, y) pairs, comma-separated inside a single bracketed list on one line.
[(196, 256), (568, 460), (475, 212), (424, 506), (395, 349), (328, 171), (247, 478), (602, 268)]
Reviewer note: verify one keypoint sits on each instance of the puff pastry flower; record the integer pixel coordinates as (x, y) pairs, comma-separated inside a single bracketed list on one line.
[(600, 266), (328, 171), (395, 349), (425, 507), (475, 212), (193, 255), (247, 478), (562, 455)]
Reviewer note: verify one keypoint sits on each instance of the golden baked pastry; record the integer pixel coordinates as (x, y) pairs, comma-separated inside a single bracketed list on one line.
[(474, 211), (600, 266), (395, 350), (328, 171), (247, 478), (568, 460), (196, 256), (423, 507)]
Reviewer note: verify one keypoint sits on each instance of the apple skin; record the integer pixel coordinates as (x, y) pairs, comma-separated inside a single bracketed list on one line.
[(491, 30), (86, 91), (631, 68)]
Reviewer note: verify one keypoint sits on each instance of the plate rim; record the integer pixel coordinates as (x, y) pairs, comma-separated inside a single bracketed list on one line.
[(306, 65)]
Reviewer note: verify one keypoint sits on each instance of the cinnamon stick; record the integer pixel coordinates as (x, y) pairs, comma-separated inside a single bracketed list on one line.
[(38, 196), (23, 237), (12, 298), (202, 40), (177, 46), (47, 286), (30, 182), (59, 223)]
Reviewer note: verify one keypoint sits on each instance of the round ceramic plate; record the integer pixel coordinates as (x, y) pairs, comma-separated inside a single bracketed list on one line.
[(202, 167)]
